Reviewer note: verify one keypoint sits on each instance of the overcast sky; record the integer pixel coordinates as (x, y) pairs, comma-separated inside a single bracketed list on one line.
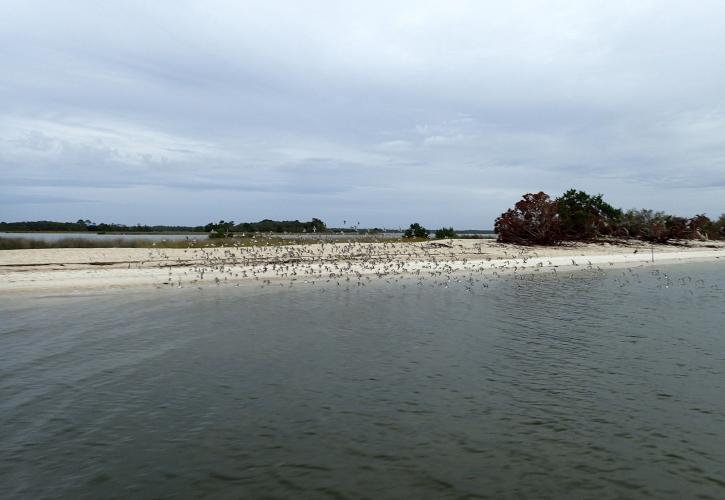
[(181, 112)]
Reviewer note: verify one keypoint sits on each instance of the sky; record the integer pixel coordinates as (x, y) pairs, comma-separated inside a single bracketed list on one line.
[(377, 112)]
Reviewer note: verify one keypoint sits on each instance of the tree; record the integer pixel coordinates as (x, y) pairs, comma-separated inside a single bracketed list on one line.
[(416, 231), (700, 227), (318, 226), (282, 226), (645, 224), (717, 228), (660, 227), (676, 228), (533, 220), (585, 217), (445, 232), (221, 229)]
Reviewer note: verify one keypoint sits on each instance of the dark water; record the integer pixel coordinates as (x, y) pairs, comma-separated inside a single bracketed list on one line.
[(51, 237), (584, 386)]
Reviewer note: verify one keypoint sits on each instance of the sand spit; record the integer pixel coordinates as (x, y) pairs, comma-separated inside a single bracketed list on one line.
[(79, 269)]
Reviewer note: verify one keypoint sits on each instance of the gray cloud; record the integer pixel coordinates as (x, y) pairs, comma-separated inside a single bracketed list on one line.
[(178, 112)]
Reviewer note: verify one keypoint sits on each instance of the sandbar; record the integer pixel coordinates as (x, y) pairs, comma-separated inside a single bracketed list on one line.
[(84, 269)]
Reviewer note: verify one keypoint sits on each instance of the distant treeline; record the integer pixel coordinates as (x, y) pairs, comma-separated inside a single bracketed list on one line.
[(87, 225), (578, 216), (266, 226), (225, 228)]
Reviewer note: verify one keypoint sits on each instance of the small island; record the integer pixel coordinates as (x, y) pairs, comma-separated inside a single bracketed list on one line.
[(539, 234)]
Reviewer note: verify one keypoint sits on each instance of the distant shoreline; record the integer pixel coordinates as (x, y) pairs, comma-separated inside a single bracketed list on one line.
[(110, 233), (71, 269)]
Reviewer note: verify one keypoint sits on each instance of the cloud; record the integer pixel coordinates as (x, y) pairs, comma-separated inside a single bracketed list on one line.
[(39, 199), (370, 108)]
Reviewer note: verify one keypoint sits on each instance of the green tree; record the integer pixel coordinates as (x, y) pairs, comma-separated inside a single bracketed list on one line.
[(282, 226), (700, 227), (221, 229), (584, 216), (318, 226), (717, 228), (445, 232), (416, 231)]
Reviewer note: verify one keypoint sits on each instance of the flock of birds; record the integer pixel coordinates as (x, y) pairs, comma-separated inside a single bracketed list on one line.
[(348, 264)]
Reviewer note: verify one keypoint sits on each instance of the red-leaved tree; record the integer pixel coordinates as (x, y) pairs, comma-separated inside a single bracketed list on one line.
[(533, 220)]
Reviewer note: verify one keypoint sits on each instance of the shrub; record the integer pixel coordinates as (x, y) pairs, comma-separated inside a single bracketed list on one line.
[(585, 217), (699, 227), (416, 231), (717, 228), (222, 229), (445, 232), (660, 227), (534, 219)]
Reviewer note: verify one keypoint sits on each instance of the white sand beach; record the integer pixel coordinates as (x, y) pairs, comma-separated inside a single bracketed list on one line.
[(84, 269)]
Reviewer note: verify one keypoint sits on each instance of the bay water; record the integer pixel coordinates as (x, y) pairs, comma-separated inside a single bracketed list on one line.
[(593, 384)]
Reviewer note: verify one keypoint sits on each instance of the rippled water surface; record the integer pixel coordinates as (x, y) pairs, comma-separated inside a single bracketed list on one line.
[(591, 385)]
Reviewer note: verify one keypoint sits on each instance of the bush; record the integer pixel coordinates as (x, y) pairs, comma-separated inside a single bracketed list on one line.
[(660, 227), (584, 217), (219, 233), (534, 219), (445, 232), (577, 215), (634, 223), (281, 226), (717, 228), (222, 229), (416, 231), (699, 227)]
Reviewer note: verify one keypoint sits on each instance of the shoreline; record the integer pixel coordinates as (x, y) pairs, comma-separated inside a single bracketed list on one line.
[(97, 269)]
